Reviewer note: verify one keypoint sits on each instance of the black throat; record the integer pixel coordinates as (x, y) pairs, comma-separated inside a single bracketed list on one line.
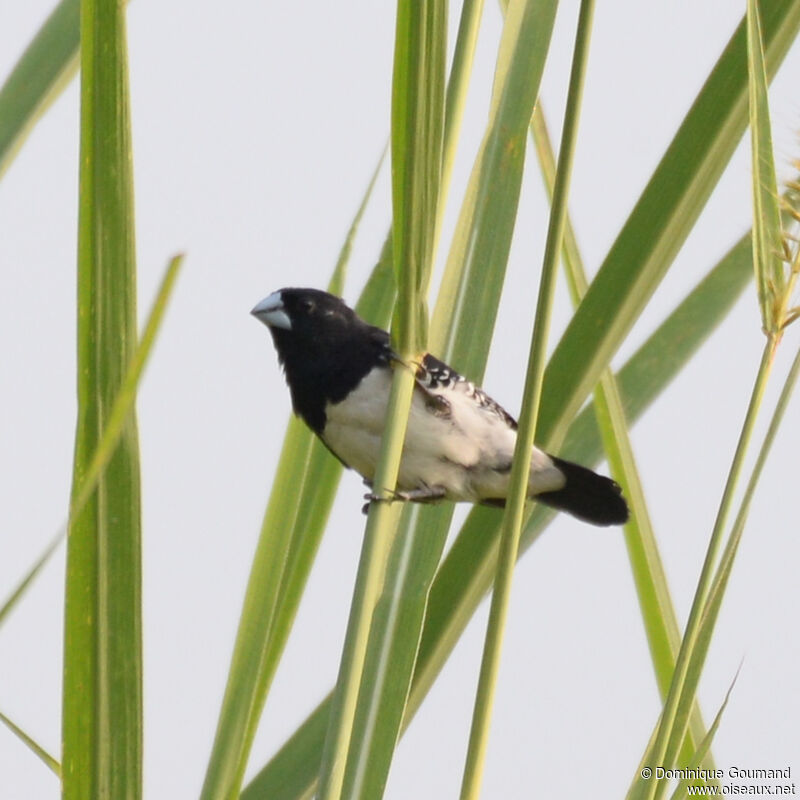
[(326, 367)]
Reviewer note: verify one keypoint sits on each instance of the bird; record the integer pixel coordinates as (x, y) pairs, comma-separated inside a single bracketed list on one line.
[(459, 442)]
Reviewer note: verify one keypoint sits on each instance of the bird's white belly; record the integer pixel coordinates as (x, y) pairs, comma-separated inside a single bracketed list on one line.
[(434, 452), (466, 451)]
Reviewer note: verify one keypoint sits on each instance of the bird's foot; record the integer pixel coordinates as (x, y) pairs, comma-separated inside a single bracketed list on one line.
[(422, 494)]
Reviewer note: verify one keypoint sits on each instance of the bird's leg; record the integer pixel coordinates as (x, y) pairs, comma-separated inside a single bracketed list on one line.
[(422, 494)]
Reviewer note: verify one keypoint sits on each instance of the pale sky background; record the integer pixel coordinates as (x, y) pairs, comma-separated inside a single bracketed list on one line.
[(255, 131)]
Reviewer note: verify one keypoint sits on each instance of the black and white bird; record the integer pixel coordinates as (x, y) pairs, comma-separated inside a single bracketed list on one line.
[(459, 442)]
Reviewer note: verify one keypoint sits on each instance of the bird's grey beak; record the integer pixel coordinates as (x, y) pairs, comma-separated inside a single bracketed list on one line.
[(271, 312)]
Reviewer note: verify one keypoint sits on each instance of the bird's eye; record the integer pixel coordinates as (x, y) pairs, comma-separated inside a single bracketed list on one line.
[(306, 305)]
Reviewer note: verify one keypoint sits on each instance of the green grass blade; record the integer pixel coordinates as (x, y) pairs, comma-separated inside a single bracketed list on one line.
[(392, 648), (418, 85), (102, 692), (658, 612), (46, 66), (660, 221), (455, 99), (532, 393), (382, 521), (488, 213), (32, 745), (767, 233), (417, 139), (457, 88), (466, 573)]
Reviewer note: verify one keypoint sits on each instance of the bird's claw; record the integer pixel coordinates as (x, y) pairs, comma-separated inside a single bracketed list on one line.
[(372, 497), (422, 494)]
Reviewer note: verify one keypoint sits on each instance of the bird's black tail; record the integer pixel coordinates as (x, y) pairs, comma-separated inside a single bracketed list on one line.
[(587, 496)]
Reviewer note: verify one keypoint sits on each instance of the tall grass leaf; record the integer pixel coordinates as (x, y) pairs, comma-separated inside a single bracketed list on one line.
[(418, 86), (32, 745), (466, 573), (392, 649), (417, 137), (102, 690), (456, 96), (380, 533), (767, 233), (488, 212), (46, 66)]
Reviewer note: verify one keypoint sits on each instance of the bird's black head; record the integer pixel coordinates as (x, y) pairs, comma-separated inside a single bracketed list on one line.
[(304, 320), (325, 348)]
